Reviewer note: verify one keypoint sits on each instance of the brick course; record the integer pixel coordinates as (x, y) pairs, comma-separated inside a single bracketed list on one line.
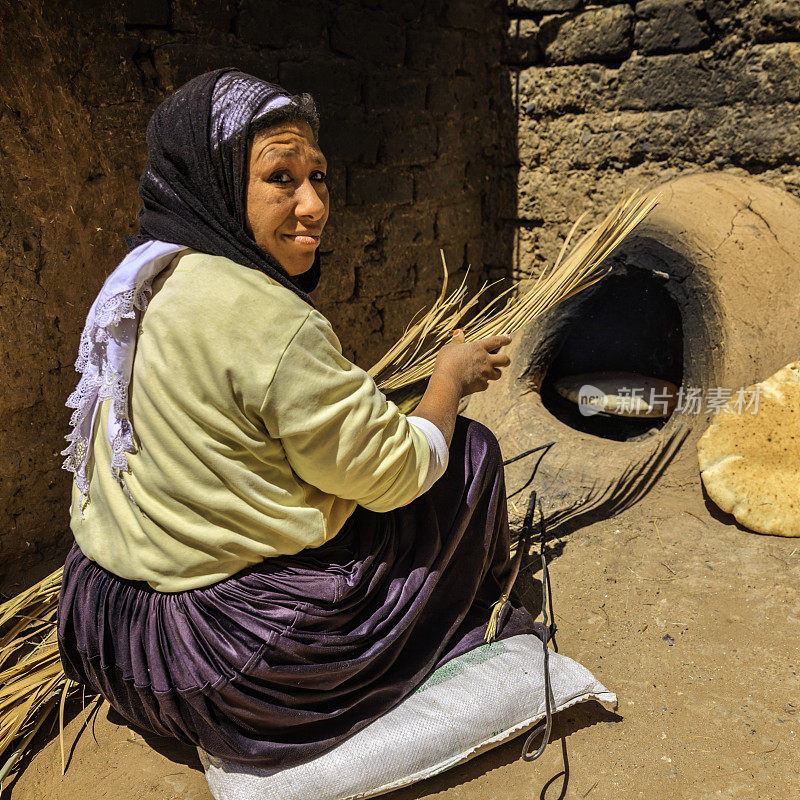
[(612, 97)]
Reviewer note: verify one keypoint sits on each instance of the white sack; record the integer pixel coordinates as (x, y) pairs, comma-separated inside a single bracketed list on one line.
[(469, 705)]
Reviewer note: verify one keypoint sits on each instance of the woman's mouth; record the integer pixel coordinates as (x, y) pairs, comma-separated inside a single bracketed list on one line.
[(307, 239)]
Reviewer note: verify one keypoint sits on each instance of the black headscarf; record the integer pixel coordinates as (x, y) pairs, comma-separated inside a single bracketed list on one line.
[(194, 184)]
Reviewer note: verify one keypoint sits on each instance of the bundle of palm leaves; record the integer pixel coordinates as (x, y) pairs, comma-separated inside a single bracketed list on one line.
[(32, 681), (407, 364)]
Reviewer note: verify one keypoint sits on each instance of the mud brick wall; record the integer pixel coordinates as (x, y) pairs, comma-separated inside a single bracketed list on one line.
[(417, 123), (616, 96)]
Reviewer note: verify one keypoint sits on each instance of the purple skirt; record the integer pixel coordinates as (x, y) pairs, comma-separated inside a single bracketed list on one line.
[(284, 660)]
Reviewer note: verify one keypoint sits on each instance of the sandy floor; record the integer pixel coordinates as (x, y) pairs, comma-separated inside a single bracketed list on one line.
[(696, 627)]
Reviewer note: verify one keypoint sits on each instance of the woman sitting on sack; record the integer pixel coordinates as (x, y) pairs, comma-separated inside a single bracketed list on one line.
[(268, 555)]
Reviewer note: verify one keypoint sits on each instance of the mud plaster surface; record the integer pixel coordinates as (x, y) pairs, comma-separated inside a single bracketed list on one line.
[(694, 625)]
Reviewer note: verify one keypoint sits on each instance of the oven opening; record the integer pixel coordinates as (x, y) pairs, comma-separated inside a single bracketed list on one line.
[(620, 362)]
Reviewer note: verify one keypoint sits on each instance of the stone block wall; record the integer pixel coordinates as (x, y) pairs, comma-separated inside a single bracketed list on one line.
[(417, 125), (615, 96)]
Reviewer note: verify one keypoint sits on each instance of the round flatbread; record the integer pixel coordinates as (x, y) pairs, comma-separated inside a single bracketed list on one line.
[(750, 455), (623, 394)]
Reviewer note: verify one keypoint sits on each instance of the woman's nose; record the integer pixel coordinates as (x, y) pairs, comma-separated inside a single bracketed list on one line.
[(309, 203)]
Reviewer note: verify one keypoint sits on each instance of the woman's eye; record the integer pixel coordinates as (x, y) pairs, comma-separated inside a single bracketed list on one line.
[(318, 176), (280, 177)]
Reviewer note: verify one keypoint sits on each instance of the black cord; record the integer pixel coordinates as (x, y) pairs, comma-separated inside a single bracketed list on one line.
[(547, 600), (548, 629), (545, 448), (527, 453)]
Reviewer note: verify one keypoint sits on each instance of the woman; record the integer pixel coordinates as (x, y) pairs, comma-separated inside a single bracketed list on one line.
[(268, 555)]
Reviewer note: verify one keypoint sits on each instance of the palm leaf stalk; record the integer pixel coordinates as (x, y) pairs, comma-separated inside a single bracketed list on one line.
[(32, 680), (412, 358)]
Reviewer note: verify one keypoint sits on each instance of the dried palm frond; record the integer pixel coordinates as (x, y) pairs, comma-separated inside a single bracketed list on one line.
[(412, 358), (32, 680)]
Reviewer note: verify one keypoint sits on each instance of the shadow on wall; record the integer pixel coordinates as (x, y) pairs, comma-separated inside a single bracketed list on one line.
[(417, 124)]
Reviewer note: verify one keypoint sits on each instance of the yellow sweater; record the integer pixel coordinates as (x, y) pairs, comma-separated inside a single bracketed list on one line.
[(255, 436)]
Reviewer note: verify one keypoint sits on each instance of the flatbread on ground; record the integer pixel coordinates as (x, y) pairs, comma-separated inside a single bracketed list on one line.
[(750, 463), (623, 394)]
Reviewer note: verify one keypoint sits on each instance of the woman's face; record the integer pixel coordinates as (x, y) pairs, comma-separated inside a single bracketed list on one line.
[(287, 199)]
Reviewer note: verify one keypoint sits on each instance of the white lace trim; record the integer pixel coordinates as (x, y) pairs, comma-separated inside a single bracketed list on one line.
[(105, 360)]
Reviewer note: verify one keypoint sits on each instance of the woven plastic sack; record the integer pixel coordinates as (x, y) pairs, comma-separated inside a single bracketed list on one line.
[(467, 706)]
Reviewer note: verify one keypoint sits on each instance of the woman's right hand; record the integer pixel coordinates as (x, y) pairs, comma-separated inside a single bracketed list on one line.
[(471, 365)]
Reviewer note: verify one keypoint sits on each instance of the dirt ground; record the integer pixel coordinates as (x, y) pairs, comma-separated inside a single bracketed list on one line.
[(692, 621)]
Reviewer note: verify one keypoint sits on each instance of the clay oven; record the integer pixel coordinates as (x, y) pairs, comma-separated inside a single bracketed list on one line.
[(703, 294)]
